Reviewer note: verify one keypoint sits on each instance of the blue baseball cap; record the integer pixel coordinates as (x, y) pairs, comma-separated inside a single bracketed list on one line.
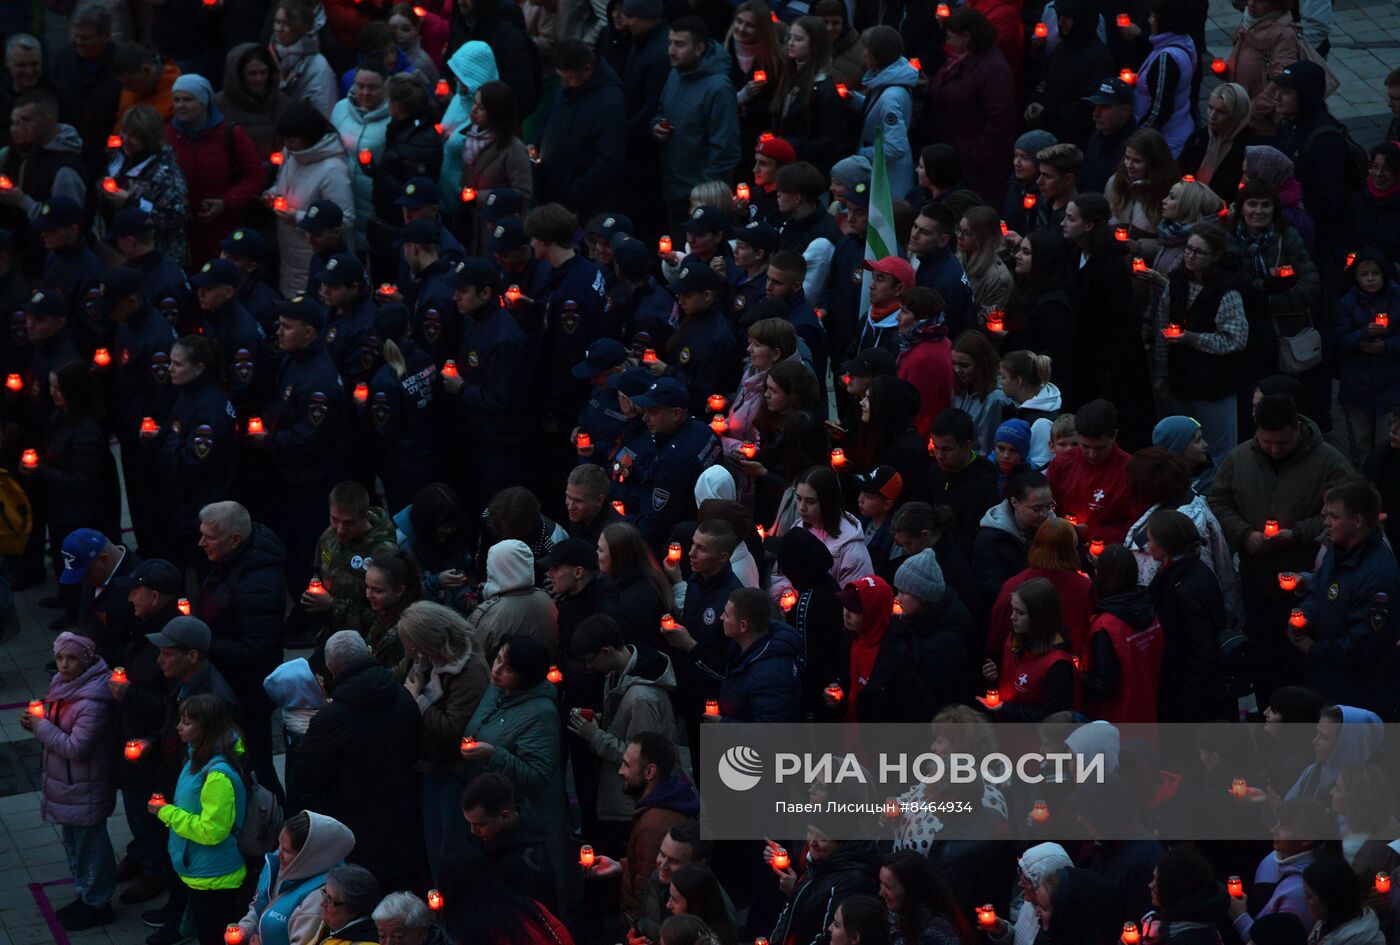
[(664, 392), (500, 203), (603, 355), (634, 382), (244, 242), (80, 550), (419, 192), (59, 211), (130, 221), (321, 216), (343, 269), (507, 237), (475, 272), (216, 272)]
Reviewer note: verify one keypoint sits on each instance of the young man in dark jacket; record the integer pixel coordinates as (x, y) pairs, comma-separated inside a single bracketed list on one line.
[(961, 479), (581, 146), (761, 681)]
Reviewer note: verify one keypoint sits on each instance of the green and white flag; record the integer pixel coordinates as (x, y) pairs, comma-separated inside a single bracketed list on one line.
[(879, 232)]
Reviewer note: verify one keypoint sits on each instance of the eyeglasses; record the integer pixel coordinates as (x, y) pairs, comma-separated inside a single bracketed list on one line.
[(962, 231), (1190, 250), (338, 903), (1045, 509)]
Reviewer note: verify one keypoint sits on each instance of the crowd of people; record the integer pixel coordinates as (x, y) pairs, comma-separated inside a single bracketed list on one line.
[(500, 394)]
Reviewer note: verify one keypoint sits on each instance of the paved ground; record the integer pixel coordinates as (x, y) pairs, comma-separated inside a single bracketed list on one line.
[(33, 870)]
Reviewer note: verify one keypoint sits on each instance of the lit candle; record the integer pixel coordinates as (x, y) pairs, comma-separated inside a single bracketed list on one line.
[(584, 441), (276, 158), (148, 425), (1383, 882), (449, 368), (1139, 264), (1383, 319), (835, 691), (36, 708), (314, 586), (1239, 787), (1131, 935), (1235, 885), (1128, 76), (101, 357), (1217, 66), (1096, 547), (388, 288), (673, 553), (132, 750), (586, 857), (897, 609), (719, 425), (943, 12), (1298, 619), (1124, 20), (649, 356), (1077, 665), (233, 935), (1072, 519), (668, 622), (748, 450), (711, 707), (109, 184), (760, 76), (742, 192), (845, 380), (1004, 228), (468, 194), (986, 916), (1351, 260), (1121, 234), (1028, 201), (892, 808), (554, 675), (1189, 178), (1040, 812), (30, 458), (183, 606), (255, 425), (1285, 272), (781, 860), (996, 322), (1041, 31), (437, 126), (279, 203), (663, 245), (114, 142), (468, 742), (1270, 528), (838, 458), (158, 799), (119, 674), (6, 183), (14, 382), (442, 90), (618, 507), (716, 402), (361, 392), (788, 600), (915, 64), (366, 156), (513, 294), (762, 532), (1172, 331), (841, 90), (434, 900), (1287, 580), (992, 698)]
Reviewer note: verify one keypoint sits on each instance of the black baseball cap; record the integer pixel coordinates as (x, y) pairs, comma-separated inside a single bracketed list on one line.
[(475, 272), (759, 235), (59, 211), (343, 269), (118, 284), (157, 574), (244, 242), (419, 192), (495, 205), (130, 221), (705, 219), (872, 362), (321, 216), (572, 553), (603, 355), (1112, 91), (507, 237), (302, 309), (216, 272), (634, 382), (696, 276)]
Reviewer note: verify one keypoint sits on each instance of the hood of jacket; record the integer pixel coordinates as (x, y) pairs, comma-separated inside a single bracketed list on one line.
[(1043, 859), (1133, 607), (328, 842), (716, 482), (715, 62), (1096, 739), (233, 86), (66, 138), (510, 566), (895, 75), (805, 560), (361, 117), (366, 686), (91, 684), (648, 668), (1047, 398), (328, 147), (293, 686), (474, 64), (1003, 519), (675, 793)]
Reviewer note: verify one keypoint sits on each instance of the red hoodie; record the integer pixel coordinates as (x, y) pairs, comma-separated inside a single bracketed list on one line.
[(929, 367), (876, 604), (1097, 496)]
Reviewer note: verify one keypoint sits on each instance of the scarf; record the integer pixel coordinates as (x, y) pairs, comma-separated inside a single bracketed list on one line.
[(1218, 147), (930, 329), (474, 141), (293, 60), (1173, 232), (744, 55), (1257, 246), (1248, 22), (1375, 194)]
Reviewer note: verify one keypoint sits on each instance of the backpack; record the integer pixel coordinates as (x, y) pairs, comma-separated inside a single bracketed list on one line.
[(262, 821), (16, 516), (1357, 160)]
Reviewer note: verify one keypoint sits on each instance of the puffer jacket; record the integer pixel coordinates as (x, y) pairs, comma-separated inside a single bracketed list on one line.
[(513, 606), (242, 600), (999, 551), (887, 106), (79, 736), (849, 870), (256, 114), (79, 477), (762, 684), (1369, 380), (472, 65), (850, 558), (412, 148), (328, 843), (317, 173), (1259, 52), (636, 700), (361, 130)]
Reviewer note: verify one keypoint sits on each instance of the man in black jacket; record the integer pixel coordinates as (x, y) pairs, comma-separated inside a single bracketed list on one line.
[(360, 753), (510, 848), (1316, 144), (242, 600), (961, 480), (93, 561), (1113, 126), (87, 82)]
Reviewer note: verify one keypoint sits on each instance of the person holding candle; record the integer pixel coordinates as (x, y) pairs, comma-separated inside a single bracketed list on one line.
[(314, 169), (1035, 674), (1364, 804), (491, 156), (1370, 350), (1003, 539), (1372, 219), (1214, 154), (820, 509), (361, 118), (920, 906), (833, 871), (237, 337), (1335, 901), (77, 736), (1054, 555), (1188, 902), (287, 900), (1091, 482)]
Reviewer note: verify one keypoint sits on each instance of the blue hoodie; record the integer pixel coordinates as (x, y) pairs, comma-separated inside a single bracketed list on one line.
[(699, 103)]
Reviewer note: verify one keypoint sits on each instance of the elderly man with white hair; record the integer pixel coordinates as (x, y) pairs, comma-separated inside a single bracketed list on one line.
[(404, 919), (360, 755)]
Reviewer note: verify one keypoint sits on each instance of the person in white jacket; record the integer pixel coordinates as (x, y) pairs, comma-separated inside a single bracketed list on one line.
[(313, 169), (819, 510), (286, 905), (361, 119), (306, 76)]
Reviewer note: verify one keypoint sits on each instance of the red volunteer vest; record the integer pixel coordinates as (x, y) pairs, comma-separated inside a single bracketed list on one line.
[(1139, 655)]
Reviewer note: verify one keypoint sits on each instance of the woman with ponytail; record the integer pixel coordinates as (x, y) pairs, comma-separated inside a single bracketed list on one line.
[(398, 410)]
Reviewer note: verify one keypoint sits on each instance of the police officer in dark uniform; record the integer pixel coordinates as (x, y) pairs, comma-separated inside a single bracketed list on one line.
[(73, 268), (436, 324), (490, 390), (419, 201), (349, 335), (400, 409), (161, 276), (238, 341), (324, 226), (665, 481), (635, 444), (637, 303), (196, 450), (754, 246), (598, 236), (138, 381), (247, 249), (304, 432), (602, 417), (702, 353), (707, 233), (510, 248)]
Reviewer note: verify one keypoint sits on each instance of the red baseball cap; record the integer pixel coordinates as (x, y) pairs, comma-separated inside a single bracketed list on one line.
[(893, 266), (775, 148)]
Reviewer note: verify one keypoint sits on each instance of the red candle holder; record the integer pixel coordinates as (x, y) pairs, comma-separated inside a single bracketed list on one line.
[(618, 507), (30, 458), (101, 357), (1041, 31), (897, 609), (1218, 66), (584, 441), (741, 192), (719, 425), (468, 194), (1128, 76), (781, 860), (14, 382), (434, 900), (366, 157), (841, 90), (787, 600), (1383, 319), (649, 356), (279, 203), (1351, 260), (467, 742), (663, 246), (1239, 788), (673, 553), (1284, 272), (1297, 619), (838, 458), (148, 425), (1040, 812), (6, 183), (835, 691), (158, 799), (109, 184), (36, 708), (1287, 580), (361, 392), (449, 368), (996, 322), (915, 64), (992, 698), (388, 288), (183, 606), (255, 425), (1235, 886), (711, 707), (748, 450), (1072, 519), (314, 586), (943, 12), (119, 674), (277, 158), (1096, 547), (114, 142), (1124, 20), (586, 856), (1172, 331), (1028, 201), (554, 675), (760, 76), (133, 750), (716, 402), (442, 89), (1139, 264), (513, 294), (1131, 935), (1270, 528), (233, 935), (668, 622), (1382, 882), (1121, 234), (986, 916)]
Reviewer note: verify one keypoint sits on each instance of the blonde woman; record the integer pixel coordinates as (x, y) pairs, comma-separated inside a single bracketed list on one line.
[(1186, 204), (1214, 155), (979, 249), (446, 674)]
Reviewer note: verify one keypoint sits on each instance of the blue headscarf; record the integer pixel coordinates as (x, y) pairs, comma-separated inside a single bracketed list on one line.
[(199, 87)]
